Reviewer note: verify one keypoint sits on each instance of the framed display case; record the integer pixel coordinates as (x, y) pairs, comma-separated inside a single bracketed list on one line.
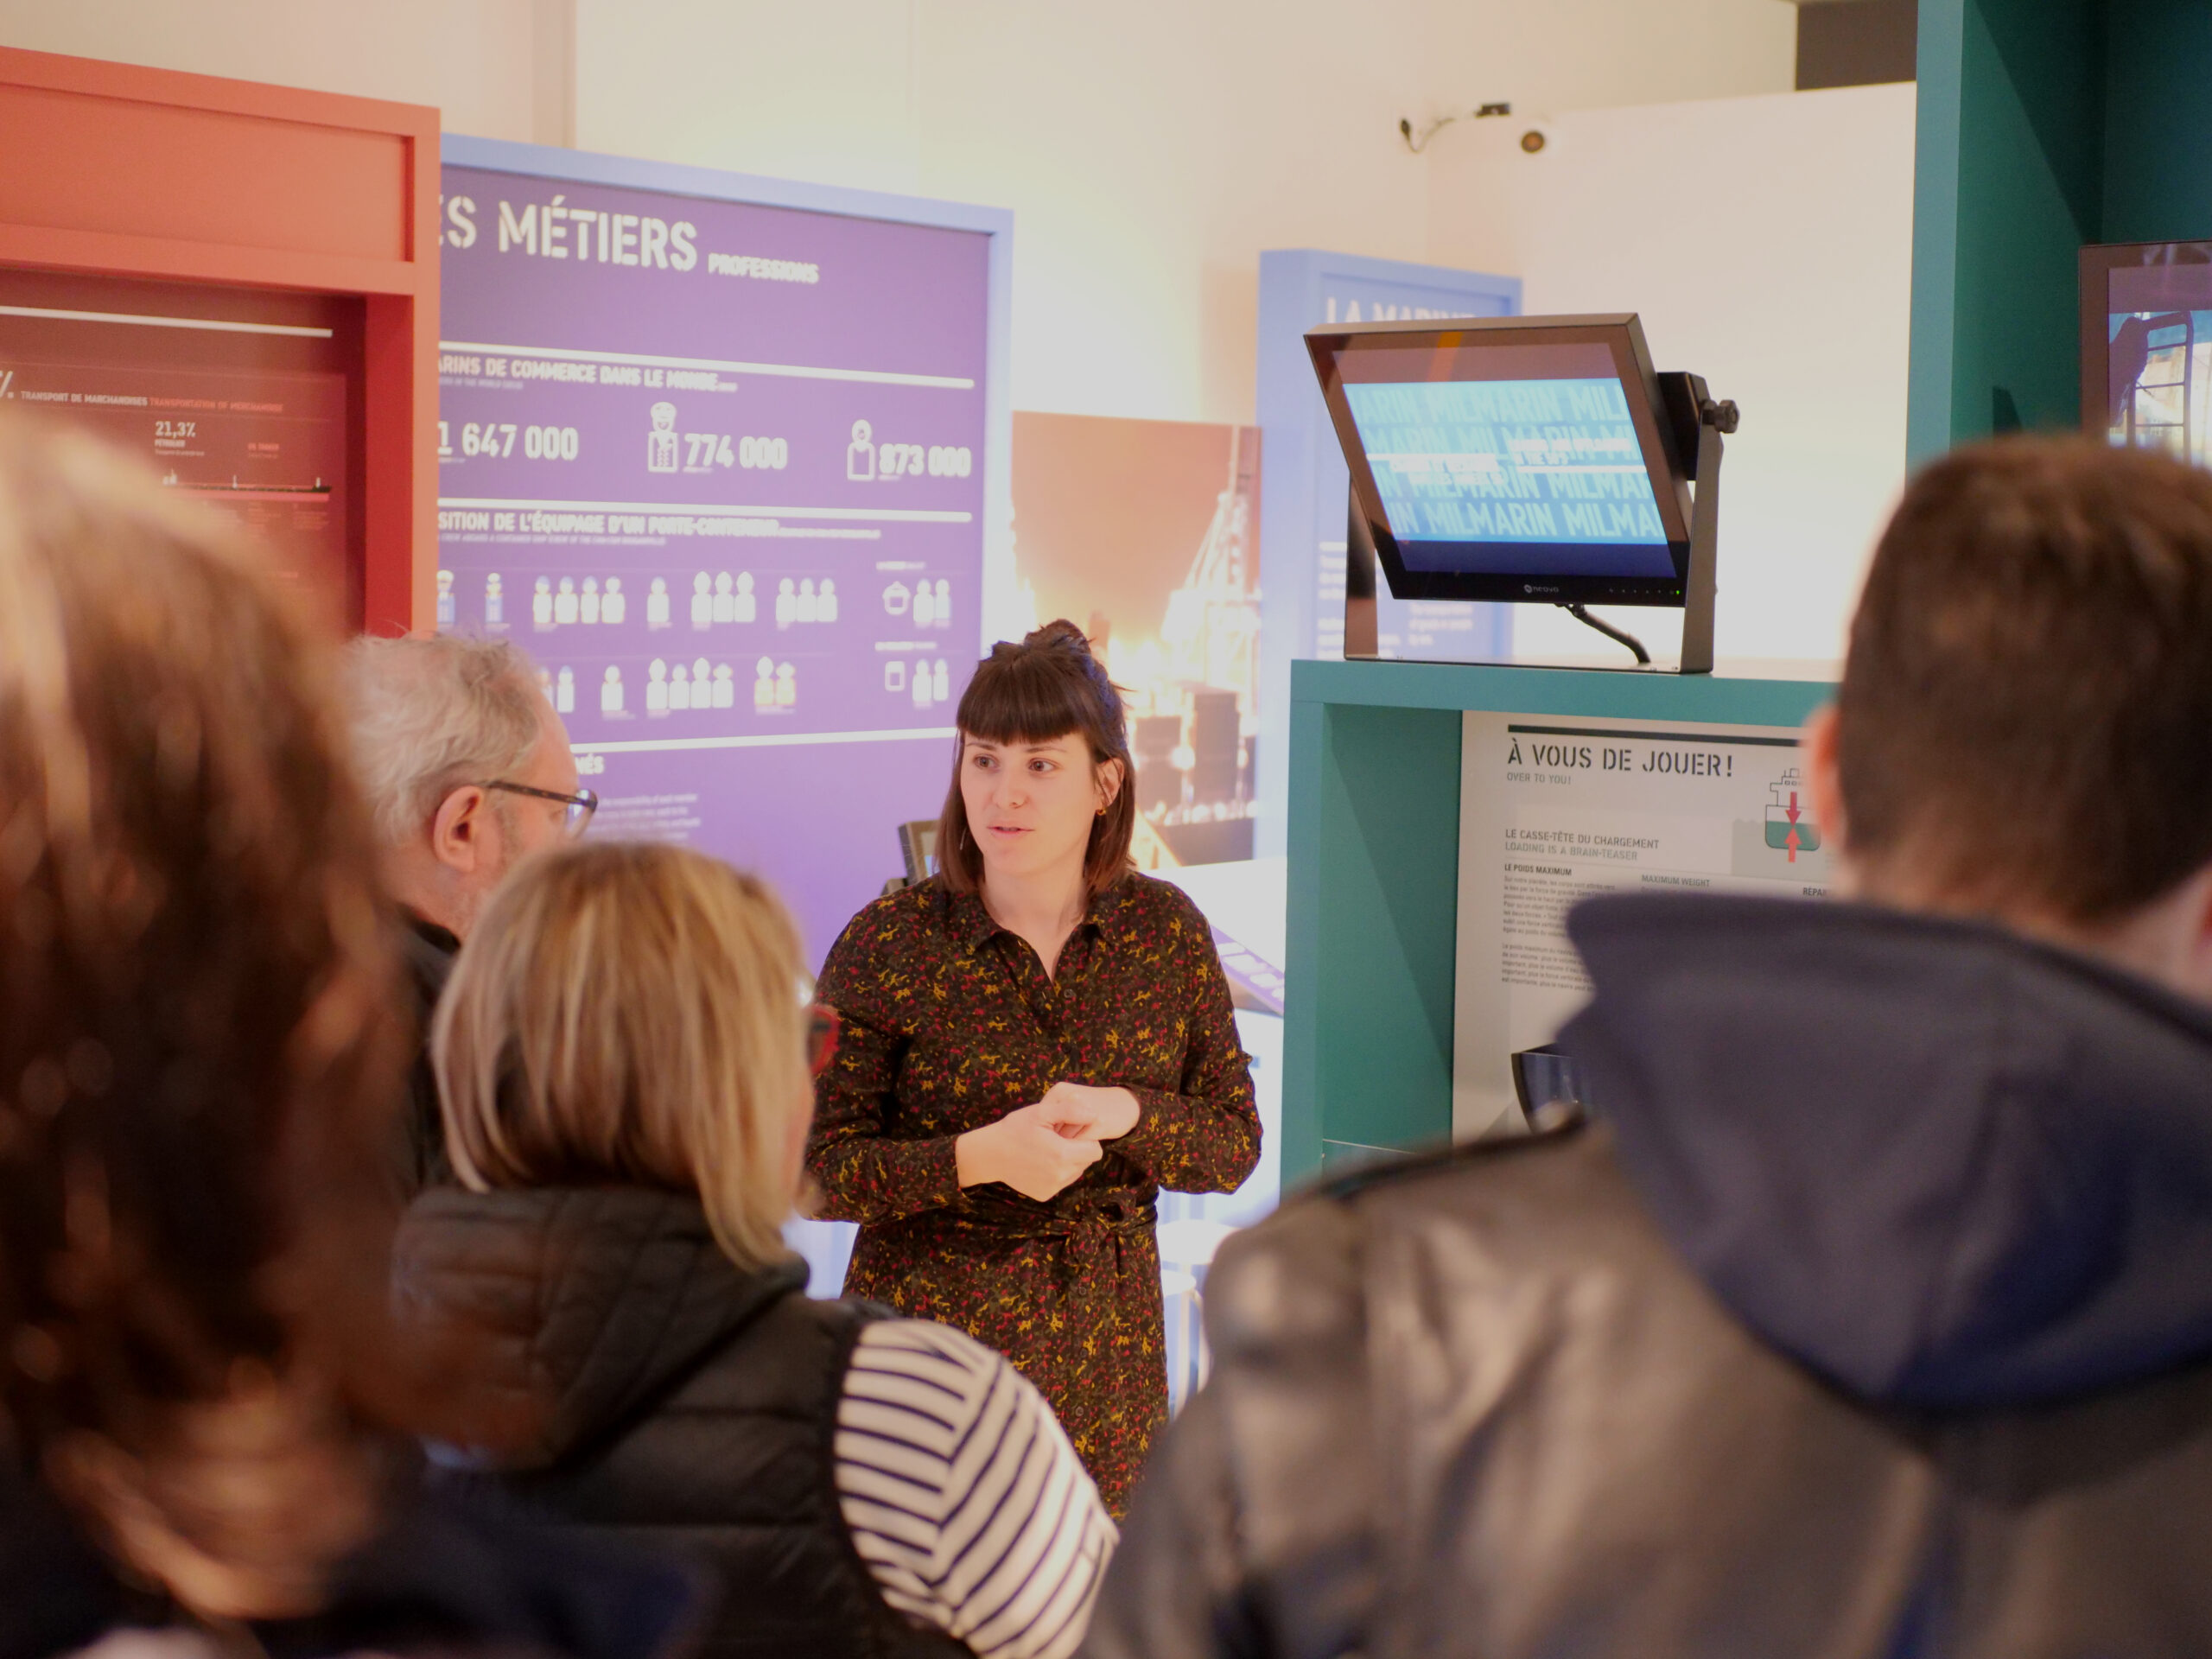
[(239, 284)]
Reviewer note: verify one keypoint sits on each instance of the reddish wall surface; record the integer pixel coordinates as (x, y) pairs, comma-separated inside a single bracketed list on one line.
[(134, 172)]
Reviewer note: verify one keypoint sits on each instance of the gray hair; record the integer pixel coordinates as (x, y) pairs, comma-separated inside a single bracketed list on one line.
[(431, 713)]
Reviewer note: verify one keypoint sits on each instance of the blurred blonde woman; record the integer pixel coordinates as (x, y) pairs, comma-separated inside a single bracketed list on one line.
[(205, 1421), (626, 1071)]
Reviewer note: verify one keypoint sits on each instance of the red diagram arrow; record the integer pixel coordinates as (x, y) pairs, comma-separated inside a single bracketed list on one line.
[(1791, 814)]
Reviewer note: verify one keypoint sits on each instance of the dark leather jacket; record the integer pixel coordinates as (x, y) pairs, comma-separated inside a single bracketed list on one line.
[(1872, 1320)]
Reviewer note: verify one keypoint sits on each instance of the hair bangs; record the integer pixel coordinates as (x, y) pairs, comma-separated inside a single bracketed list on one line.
[(1027, 702)]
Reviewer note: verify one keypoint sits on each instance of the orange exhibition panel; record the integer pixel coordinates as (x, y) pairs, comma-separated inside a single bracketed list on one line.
[(239, 284)]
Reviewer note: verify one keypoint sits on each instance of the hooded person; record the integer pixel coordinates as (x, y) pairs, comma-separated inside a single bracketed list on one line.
[(1872, 1314)]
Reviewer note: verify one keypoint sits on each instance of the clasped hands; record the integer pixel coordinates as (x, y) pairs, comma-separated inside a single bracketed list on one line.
[(1040, 1149)]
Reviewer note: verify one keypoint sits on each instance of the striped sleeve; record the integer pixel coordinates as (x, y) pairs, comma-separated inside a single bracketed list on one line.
[(963, 1496)]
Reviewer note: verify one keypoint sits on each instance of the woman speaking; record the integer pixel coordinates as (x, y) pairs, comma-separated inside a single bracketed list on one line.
[(1035, 1041)]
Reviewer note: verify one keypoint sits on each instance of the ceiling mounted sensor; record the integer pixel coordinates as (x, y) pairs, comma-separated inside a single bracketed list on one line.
[(1533, 141), (1418, 142)]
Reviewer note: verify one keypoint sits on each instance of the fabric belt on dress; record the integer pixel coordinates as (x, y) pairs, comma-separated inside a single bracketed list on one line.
[(1098, 1231)]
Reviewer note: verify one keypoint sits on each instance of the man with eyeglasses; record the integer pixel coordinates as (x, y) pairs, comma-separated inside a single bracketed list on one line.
[(468, 771)]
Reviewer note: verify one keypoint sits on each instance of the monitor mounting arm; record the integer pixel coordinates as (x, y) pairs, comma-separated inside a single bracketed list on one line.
[(1699, 422), (1621, 636)]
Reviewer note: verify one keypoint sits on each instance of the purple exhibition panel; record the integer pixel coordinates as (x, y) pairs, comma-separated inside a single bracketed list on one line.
[(718, 467)]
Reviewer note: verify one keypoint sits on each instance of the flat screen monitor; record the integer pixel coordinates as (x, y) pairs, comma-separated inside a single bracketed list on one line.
[(1526, 459), (2147, 346)]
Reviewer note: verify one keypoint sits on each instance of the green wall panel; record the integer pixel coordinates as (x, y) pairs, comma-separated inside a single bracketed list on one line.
[(2031, 162), (2044, 125), (1935, 232), (2157, 160), (1373, 906), (2012, 104), (1389, 909), (1373, 910)]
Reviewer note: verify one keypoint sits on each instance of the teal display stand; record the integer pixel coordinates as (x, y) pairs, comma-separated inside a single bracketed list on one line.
[(1374, 837), (2043, 124)]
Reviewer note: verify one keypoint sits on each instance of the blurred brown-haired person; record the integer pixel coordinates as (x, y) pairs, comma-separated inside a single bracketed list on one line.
[(200, 1068)]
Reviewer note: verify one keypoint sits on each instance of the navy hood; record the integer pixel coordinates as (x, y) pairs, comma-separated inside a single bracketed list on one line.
[(1942, 1166)]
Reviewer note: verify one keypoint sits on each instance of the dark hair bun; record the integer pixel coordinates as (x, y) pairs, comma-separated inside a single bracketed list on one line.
[(1060, 632)]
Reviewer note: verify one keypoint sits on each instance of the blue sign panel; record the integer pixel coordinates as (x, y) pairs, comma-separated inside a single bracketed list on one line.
[(1304, 488)]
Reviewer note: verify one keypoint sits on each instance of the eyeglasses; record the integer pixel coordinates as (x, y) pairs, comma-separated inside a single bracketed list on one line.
[(822, 1028), (581, 805)]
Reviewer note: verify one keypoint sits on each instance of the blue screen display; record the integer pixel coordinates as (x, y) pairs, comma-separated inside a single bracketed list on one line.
[(1511, 475)]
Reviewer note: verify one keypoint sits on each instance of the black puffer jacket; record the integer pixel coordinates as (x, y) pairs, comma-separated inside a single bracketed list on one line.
[(1875, 1319), (685, 1402), (428, 952)]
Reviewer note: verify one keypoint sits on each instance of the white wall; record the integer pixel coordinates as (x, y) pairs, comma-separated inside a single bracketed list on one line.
[(1150, 149), (472, 58), (1767, 244), (1553, 56)]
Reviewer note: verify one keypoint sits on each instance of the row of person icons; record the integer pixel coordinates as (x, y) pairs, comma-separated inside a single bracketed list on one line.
[(702, 685), (734, 601), (550, 608), (495, 600), (930, 679), (722, 598), (554, 608), (932, 604)]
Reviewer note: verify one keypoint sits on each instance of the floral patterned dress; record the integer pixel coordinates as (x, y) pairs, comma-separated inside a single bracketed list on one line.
[(949, 1023)]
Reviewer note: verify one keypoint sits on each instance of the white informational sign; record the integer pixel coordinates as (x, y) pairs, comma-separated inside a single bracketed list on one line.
[(1552, 809)]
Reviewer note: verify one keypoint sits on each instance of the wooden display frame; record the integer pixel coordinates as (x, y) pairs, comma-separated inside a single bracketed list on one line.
[(124, 171)]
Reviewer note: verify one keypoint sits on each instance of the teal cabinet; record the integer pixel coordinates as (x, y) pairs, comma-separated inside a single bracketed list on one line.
[(1374, 837), (2044, 125)]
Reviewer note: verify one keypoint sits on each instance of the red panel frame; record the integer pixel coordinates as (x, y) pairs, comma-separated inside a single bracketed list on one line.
[(127, 171)]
